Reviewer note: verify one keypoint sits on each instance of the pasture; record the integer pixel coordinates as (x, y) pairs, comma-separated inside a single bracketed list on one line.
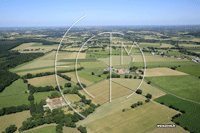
[(74, 79), (153, 72), (133, 120), (47, 80), (16, 118), (116, 60), (183, 86), (16, 100), (157, 45), (73, 97), (132, 84), (192, 70), (191, 117), (155, 58), (164, 64), (88, 76), (100, 91), (45, 69), (92, 64), (17, 87), (43, 129)]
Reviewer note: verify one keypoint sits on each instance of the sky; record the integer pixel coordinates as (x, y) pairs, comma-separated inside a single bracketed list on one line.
[(33, 13)]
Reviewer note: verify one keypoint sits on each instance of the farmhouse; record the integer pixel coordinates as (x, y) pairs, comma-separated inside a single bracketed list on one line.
[(54, 103)]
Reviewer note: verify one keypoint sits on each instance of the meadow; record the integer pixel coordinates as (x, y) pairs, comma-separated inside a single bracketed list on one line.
[(74, 79), (132, 84), (92, 64), (73, 97), (162, 72), (16, 100), (192, 70), (116, 60), (17, 87), (43, 129), (16, 118), (191, 117), (164, 64), (183, 86), (100, 91), (47, 80), (138, 119), (88, 76), (23, 46)]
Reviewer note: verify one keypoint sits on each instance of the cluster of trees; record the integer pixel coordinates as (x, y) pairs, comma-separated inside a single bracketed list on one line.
[(29, 75), (148, 96), (133, 68), (13, 109), (113, 76), (65, 77), (34, 89), (12, 59), (84, 85), (82, 129), (68, 84), (54, 95), (10, 129), (136, 104), (128, 76), (7, 78)]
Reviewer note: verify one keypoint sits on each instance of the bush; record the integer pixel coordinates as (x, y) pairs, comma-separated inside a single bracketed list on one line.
[(149, 82), (99, 75), (147, 100), (92, 73), (123, 110), (139, 91), (68, 85), (82, 129), (11, 129), (139, 103), (148, 96), (130, 76), (135, 77), (140, 77), (126, 76), (134, 105), (105, 72)]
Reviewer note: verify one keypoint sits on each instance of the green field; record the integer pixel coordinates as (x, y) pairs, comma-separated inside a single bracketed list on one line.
[(183, 86), (116, 60), (48, 129), (164, 64), (17, 100), (88, 76), (192, 70), (140, 119), (191, 118), (17, 87), (132, 84), (106, 52), (92, 64)]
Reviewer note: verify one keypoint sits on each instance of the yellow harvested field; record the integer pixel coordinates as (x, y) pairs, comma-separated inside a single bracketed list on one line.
[(17, 119), (23, 46), (74, 79), (162, 72), (134, 83), (110, 108), (143, 118), (72, 97), (74, 55), (155, 58), (47, 80), (101, 91)]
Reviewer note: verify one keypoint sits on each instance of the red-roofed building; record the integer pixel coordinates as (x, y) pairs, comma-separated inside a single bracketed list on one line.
[(54, 103)]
